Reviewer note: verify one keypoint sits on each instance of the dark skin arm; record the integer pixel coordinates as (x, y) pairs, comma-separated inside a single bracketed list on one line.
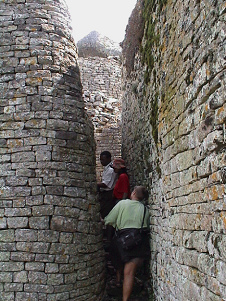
[(101, 185)]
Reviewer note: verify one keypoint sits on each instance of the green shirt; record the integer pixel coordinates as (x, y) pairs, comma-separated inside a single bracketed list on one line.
[(127, 214)]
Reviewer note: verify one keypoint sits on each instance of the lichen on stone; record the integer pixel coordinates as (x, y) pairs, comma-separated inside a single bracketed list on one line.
[(151, 38)]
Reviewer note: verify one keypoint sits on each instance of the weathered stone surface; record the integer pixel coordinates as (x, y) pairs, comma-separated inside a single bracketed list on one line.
[(173, 141), (20, 296), (47, 157), (7, 296), (3, 223), (221, 270)]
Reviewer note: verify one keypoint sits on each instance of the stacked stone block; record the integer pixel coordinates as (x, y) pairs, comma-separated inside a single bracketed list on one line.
[(184, 164), (50, 238), (101, 74), (101, 80), (107, 139)]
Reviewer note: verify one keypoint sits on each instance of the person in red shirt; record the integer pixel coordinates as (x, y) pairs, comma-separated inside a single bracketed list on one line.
[(122, 187)]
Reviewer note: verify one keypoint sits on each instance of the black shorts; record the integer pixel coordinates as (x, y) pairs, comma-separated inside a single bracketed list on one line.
[(119, 256)]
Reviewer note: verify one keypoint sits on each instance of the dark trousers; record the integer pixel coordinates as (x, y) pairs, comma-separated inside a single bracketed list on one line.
[(106, 202)]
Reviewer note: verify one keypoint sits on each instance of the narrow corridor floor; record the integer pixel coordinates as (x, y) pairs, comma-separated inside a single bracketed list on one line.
[(114, 293)]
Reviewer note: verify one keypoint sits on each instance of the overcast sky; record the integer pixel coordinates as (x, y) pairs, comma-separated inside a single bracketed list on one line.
[(108, 17)]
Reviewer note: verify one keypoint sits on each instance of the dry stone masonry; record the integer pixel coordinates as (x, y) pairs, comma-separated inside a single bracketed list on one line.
[(50, 237), (100, 67), (174, 115), (173, 139)]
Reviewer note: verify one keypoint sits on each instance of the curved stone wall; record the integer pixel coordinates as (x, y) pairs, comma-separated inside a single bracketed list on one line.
[(174, 139), (50, 238)]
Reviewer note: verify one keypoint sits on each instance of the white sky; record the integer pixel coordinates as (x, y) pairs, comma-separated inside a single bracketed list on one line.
[(108, 17)]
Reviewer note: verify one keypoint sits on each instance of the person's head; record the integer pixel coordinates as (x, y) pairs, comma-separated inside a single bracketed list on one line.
[(139, 193), (105, 158), (119, 165)]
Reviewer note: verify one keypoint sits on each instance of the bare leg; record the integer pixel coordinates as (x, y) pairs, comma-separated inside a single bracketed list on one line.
[(129, 275)]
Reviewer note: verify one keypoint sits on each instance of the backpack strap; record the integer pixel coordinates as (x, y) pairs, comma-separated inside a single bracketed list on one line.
[(143, 217)]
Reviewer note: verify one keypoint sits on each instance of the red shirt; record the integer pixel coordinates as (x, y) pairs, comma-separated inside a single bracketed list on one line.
[(121, 187)]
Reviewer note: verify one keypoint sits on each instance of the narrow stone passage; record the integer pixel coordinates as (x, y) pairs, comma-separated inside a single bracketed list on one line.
[(172, 112)]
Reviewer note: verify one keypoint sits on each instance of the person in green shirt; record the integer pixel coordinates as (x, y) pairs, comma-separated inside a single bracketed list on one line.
[(128, 214)]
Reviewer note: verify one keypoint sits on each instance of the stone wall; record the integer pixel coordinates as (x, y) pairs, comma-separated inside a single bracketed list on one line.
[(108, 138), (50, 238), (101, 80), (174, 137)]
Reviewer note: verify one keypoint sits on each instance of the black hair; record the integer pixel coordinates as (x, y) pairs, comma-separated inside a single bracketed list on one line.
[(106, 154), (123, 170)]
